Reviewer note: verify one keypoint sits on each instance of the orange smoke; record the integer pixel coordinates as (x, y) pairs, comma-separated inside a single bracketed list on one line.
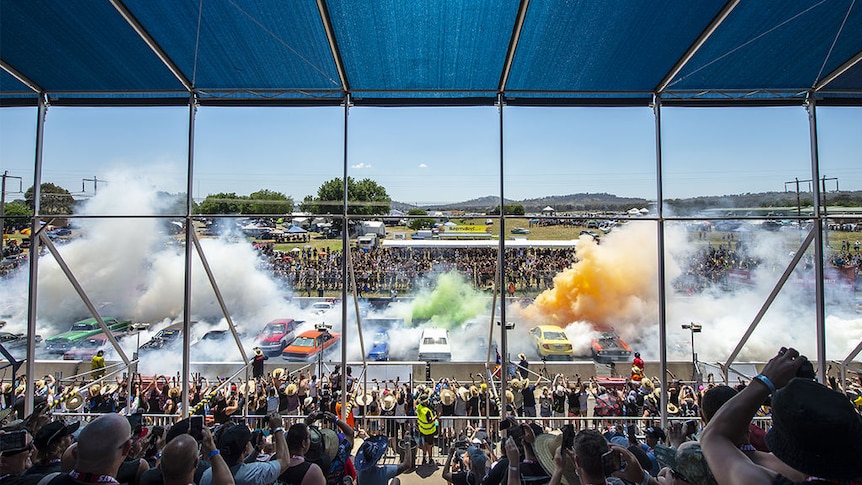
[(611, 286)]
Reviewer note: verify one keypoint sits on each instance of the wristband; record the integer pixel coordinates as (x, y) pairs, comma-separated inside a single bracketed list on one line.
[(646, 479), (514, 469), (765, 380), (276, 430), (335, 420), (214, 453)]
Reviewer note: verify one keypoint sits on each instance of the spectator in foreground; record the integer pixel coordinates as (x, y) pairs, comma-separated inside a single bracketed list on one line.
[(51, 442), (367, 457), (180, 460), (815, 430), (234, 444), (13, 462), (101, 448), (300, 471)]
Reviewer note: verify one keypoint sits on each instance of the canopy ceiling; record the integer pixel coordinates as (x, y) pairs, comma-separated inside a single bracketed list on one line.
[(396, 52)]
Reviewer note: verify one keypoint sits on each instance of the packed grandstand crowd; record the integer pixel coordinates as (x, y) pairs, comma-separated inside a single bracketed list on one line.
[(296, 431)]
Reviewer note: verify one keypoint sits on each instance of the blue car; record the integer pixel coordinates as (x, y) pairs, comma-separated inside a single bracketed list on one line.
[(379, 346)]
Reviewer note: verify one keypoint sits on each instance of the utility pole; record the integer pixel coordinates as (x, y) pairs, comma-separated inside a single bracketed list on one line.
[(95, 181), (822, 181), (3, 206)]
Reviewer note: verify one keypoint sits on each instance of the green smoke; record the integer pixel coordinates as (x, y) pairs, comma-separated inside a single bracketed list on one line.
[(450, 303)]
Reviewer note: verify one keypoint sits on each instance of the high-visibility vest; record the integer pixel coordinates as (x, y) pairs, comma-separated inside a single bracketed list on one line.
[(426, 420)]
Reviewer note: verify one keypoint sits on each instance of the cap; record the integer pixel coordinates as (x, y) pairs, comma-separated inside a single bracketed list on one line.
[(52, 432)]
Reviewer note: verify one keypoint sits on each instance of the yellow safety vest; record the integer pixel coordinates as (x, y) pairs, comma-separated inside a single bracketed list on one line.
[(426, 420)]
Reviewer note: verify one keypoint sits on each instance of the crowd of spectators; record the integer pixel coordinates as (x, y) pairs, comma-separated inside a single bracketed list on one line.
[(815, 437)]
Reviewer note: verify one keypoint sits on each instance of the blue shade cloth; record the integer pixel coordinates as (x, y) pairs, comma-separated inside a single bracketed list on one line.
[(427, 52)]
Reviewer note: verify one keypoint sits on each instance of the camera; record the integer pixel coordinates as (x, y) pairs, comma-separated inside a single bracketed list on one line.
[(196, 424), (568, 436)]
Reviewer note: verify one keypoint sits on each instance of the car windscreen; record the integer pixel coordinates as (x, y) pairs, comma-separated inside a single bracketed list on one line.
[(434, 341), (555, 336), (275, 329), (82, 326), (303, 342)]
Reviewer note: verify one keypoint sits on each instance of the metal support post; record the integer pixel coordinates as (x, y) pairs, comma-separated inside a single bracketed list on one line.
[(190, 236), (662, 297), (345, 244), (30, 366), (820, 311), (501, 268)]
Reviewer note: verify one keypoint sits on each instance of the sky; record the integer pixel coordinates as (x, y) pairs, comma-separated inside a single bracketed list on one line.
[(436, 155)]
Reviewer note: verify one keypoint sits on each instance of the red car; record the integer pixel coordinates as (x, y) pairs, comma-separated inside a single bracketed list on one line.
[(86, 349), (309, 344), (276, 335)]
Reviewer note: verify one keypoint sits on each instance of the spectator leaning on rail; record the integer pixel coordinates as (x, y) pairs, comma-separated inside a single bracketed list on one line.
[(815, 430)]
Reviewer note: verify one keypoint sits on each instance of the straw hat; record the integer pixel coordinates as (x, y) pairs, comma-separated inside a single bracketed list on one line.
[(20, 389), (40, 384), (516, 384), (257, 351), (291, 389), (278, 373), (7, 387), (95, 389), (447, 397), (463, 393), (545, 447), (648, 385), (74, 402), (110, 389), (560, 390), (474, 391), (672, 409), (522, 356), (364, 399), (247, 386), (388, 402), (174, 392)]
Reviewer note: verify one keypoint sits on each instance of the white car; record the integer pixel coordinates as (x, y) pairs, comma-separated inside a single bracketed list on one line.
[(434, 345), (321, 307)]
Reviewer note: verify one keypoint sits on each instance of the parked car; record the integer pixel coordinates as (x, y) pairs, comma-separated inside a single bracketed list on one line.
[(607, 347), (434, 345), (520, 230), (551, 342), (276, 335), (379, 346), (307, 345), (80, 331)]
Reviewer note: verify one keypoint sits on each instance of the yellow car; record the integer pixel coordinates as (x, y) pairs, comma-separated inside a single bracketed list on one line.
[(551, 342)]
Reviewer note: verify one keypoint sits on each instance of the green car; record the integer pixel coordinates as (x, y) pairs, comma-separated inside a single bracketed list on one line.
[(80, 331)]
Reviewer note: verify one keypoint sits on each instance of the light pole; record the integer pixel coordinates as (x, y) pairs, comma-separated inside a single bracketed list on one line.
[(694, 328)]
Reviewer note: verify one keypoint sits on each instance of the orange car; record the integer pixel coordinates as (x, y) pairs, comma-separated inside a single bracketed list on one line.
[(608, 347), (307, 345)]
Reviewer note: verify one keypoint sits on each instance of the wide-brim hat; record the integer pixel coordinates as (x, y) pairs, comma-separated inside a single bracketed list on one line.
[(370, 452), (516, 384), (257, 351), (278, 372), (364, 399), (816, 430), (389, 402), (330, 442), (463, 393), (95, 389), (75, 401), (647, 384), (474, 391), (20, 389), (560, 390), (7, 388), (52, 432), (291, 389), (109, 389), (545, 447), (522, 356), (6, 412), (447, 397), (672, 409)]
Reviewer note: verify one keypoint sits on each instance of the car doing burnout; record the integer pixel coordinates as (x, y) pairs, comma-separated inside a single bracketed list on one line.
[(307, 345), (276, 335), (551, 342), (80, 331), (434, 345), (608, 347), (86, 349)]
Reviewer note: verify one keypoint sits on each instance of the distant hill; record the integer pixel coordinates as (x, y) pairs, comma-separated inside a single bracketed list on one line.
[(608, 202)]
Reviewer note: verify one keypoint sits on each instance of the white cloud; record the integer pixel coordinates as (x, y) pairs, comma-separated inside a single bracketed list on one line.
[(361, 165), (422, 165)]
